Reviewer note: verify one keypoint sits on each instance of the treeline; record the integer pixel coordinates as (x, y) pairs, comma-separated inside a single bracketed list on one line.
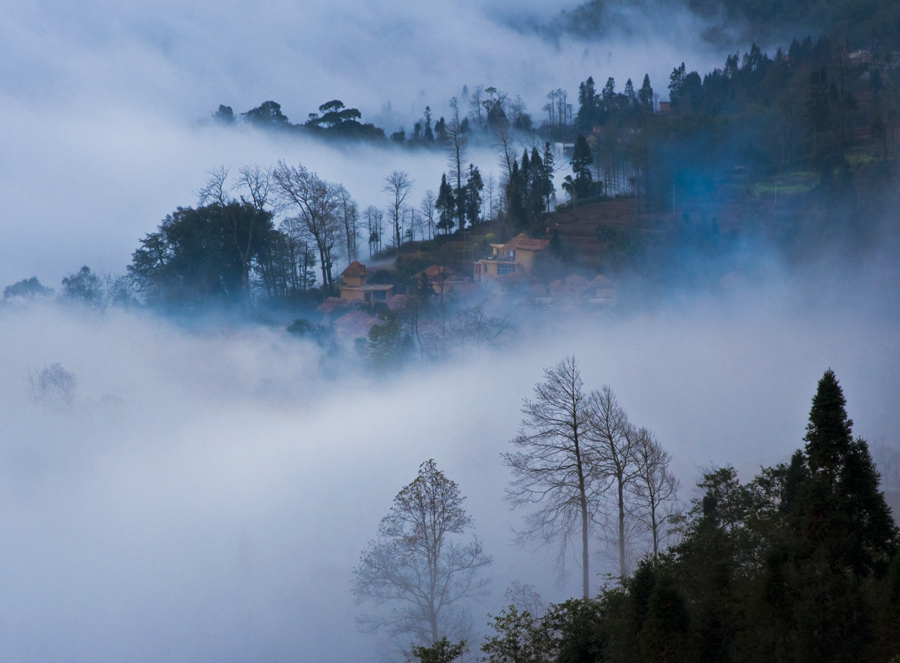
[(332, 120), (873, 23), (869, 24), (483, 111), (810, 117), (799, 564)]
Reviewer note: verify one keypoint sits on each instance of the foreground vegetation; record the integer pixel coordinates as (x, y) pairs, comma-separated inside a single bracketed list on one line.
[(801, 563)]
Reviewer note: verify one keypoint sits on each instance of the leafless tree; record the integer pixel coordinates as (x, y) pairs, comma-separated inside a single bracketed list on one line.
[(350, 217), (476, 111), (300, 253), (427, 210), (316, 202), (418, 566), (554, 465), (474, 327), (457, 141), (516, 111), (53, 385), (375, 226), (654, 489), (398, 186), (503, 143), (258, 184), (489, 191), (214, 190), (613, 439)]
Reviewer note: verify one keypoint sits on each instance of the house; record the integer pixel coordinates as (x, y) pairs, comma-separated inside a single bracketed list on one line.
[(517, 255), (355, 289), (601, 292)]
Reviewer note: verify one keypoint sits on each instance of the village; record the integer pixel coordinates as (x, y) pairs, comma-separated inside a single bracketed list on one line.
[(502, 281)]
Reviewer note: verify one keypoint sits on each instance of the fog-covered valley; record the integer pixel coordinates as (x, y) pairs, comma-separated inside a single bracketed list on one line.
[(206, 494), (202, 491)]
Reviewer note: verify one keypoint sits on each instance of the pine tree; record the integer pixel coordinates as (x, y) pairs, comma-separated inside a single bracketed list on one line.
[(580, 186), (446, 206), (843, 537)]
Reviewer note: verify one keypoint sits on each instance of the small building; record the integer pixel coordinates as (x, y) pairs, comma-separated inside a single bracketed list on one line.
[(517, 255), (601, 292), (355, 289)]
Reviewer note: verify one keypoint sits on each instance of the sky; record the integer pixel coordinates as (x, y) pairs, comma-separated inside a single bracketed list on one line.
[(208, 492)]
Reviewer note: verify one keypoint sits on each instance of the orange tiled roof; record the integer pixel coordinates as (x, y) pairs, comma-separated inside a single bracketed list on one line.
[(523, 241), (355, 268)]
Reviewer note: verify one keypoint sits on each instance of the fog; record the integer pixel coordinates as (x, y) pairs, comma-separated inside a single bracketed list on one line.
[(206, 494)]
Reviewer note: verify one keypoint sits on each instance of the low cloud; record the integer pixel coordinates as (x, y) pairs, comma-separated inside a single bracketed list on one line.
[(207, 493)]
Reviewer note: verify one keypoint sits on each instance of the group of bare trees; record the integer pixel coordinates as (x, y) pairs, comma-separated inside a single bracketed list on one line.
[(579, 465), (582, 468)]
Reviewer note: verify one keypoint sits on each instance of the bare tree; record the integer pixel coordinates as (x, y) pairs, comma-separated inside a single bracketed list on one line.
[(506, 151), (554, 467), (475, 106), (316, 203), (53, 385), (428, 211), (418, 566), (398, 186), (375, 226), (300, 253), (258, 184), (654, 488), (457, 141), (349, 216), (612, 437), (489, 187)]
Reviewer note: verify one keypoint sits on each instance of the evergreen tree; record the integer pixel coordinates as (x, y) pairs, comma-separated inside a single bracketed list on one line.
[(843, 514), (446, 206), (580, 186), (473, 188), (547, 188), (843, 537), (645, 95)]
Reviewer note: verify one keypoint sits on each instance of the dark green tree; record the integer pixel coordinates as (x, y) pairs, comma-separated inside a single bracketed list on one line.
[(473, 188), (579, 186), (267, 114), (841, 540), (193, 259), (27, 289), (446, 206), (442, 651)]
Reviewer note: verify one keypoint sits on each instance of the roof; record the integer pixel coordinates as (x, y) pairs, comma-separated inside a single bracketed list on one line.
[(368, 288), (576, 282), (523, 241), (601, 281), (355, 268)]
